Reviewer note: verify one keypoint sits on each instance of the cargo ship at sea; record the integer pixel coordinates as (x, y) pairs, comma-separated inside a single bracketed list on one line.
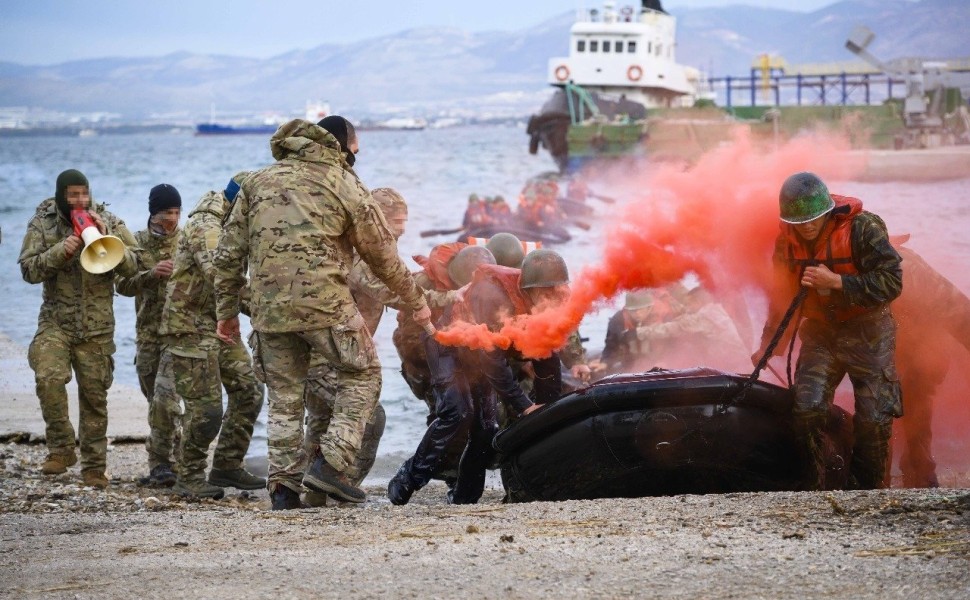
[(314, 112)]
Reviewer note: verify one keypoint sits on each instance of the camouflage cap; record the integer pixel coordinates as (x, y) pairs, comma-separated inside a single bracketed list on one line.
[(390, 201)]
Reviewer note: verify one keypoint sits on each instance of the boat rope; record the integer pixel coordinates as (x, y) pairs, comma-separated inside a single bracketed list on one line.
[(770, 350)]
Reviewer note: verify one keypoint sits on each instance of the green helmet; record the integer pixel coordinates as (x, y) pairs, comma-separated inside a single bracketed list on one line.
[(543, 268), (804, 198), (637, 299), (507, 249), (462, 266)]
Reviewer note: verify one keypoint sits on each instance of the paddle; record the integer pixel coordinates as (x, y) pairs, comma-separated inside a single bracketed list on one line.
[(601, 198), (433, 232), (581, 224)]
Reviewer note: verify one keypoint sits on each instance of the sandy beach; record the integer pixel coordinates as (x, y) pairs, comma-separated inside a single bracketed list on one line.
[(60, 540)]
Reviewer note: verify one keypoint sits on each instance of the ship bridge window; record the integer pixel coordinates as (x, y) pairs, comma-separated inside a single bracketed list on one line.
[(659, 49), (649, 47), (594, 46), (606, 45), (581, 46), (631, 47)]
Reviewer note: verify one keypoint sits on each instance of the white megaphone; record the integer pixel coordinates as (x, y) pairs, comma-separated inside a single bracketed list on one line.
[(101, 252)]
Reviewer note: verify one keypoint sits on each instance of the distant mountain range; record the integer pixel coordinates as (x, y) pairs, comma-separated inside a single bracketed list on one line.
[(436, 71)]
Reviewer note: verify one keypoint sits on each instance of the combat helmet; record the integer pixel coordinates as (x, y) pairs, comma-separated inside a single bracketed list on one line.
[(463, 265), (543, 268), (507, 249), (804, 198), (637, 299)]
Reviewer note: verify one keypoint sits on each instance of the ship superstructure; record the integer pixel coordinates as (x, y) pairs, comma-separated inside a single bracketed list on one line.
[(627, 51)]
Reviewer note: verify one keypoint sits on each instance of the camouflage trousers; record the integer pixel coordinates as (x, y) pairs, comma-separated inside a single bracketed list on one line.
[(284, 359), (52, 356), (864, 349), (201, 365), (156, 375), (319, 396)]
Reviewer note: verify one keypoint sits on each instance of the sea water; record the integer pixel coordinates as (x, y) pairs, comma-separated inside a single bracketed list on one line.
[(435, 170)]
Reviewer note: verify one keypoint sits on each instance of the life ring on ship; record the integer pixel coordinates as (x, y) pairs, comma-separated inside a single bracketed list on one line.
[(634, 73), (562, 73)]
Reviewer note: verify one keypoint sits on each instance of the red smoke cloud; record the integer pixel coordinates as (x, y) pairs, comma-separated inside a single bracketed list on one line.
[(718, 219)]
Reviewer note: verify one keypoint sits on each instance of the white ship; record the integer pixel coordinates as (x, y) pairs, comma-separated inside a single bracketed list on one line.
[(621, 62), (629, 52)]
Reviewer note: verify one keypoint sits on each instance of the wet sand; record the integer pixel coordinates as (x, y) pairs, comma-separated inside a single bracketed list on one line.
[(60, 540)]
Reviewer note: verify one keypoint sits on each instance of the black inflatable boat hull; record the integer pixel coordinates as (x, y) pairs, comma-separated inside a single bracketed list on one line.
[(663, 433)]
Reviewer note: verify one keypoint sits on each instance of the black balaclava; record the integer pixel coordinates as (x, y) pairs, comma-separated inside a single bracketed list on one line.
[(68, 177), (343, 130)]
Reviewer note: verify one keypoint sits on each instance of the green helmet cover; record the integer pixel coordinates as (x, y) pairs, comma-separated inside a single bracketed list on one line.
[(543, 268), (507, 250), (462, 266), (804, 198)]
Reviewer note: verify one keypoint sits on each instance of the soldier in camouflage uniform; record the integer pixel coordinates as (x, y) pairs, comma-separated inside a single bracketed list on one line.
[(372, 298), (75, 327), (201, 362), (298, 223), (147, 286), (842, 254)]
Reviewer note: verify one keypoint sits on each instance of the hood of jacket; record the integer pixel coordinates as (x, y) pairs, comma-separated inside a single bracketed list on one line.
[(306, 141), (211, 202)]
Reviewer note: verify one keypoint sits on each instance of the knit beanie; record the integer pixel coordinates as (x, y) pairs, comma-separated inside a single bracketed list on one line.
[(343, 130), (163, 197), (69, 177)]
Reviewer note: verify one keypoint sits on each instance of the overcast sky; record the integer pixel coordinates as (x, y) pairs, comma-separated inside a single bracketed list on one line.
[(52, 31)]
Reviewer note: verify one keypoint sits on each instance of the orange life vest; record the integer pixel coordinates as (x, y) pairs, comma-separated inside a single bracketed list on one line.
[(506, 279), (832, 248), (435, 265)]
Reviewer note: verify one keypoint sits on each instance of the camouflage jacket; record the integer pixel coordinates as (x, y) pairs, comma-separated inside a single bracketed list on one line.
[(298, 223), (81, 304), (148, 290), (190, 305), (372, 296)]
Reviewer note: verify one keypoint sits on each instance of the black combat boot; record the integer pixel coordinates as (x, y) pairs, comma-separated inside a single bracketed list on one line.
[(322, 477), (400, 488), (160, 476), (283, 498)]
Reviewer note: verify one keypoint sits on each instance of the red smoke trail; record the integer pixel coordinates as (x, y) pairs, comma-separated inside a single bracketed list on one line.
[(718, 219)]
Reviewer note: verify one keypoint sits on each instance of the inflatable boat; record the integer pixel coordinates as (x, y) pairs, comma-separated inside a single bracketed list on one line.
[(662, 433), (550, 234)]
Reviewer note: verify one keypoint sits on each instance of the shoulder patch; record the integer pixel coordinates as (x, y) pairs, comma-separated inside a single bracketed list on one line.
[(212, 238)]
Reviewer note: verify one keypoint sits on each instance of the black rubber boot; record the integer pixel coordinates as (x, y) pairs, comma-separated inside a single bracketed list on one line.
[(324, 478), (283, 498), (400, 488)]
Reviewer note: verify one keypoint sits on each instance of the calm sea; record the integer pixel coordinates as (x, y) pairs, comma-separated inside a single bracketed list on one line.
[(435, 170)]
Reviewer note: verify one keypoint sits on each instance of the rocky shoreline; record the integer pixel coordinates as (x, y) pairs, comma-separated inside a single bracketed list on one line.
[(63, 540)]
